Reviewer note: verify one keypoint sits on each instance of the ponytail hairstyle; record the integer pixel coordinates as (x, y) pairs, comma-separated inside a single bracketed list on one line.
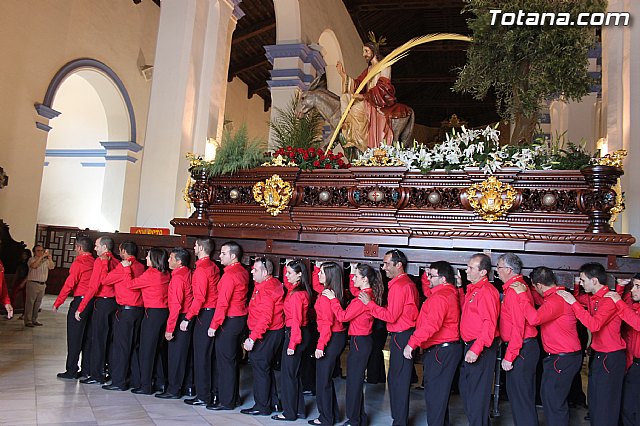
[(299, 267), (375, 281), (333, 274), (158, 259)]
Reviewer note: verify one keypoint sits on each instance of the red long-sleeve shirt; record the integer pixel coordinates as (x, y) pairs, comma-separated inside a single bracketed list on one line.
[(480, 311), (78, 279), (204, 281), (266, 308), (124, 295), (439, 319), (315, 280), (4, 291), (602, 320), (153, 284), (513, 326), (327, 322), (402, 307), (357, 315), (180, 295), (232, 294), (426, 284), (296, 307), (101, 267), (630, 314)]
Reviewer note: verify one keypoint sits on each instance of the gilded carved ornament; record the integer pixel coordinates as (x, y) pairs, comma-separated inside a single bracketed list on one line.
[(273, 194), (615, 159), (491, 199)]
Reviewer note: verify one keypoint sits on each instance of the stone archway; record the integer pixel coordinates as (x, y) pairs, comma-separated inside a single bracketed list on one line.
[(332, 53)]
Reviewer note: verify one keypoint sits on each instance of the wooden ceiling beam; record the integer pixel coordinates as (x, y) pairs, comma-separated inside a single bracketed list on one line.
[(247, 66), (254, 31)]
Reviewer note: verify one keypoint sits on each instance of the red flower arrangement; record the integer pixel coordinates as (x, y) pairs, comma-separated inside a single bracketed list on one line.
[(311, 158)]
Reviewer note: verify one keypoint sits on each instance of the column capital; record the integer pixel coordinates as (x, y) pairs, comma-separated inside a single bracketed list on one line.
[(294, 64)]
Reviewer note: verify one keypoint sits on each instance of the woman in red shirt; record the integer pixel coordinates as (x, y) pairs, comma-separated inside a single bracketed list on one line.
[(368, 280), (154, 285), (296, 339), (330, 345)]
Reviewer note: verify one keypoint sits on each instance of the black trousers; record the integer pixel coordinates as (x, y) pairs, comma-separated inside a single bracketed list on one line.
[(521, 385), (557, 375), (78, 340), (375, 365), (264, 355), (308, 365), (399, 377), (631, 396), (439, 365), (475, 384), (604, 394), (290, 381), (151, 336), (203, 355), (124, 349), (178, 353), (359, 352), (325, 389), (101, 320), (227, 344)]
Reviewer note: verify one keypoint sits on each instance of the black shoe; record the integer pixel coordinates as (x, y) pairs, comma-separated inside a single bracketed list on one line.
[(195, 401), (67, 375), (189, 392), (82, 375), (167, 395), (142, 391), (91, 381), (113, 388), (160, 388), (587, 417), (315, 422), (220, 407), (255, 412), (282, 418)]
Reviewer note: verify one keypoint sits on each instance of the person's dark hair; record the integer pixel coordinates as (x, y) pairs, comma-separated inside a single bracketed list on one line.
[(267, 264), (512, 261), (636, 276), (159, 259), (85, 243), (445, 270), (304, 284), (375, 281), (107, 241), (35, 247), (484, 262), (206, 243), (398, 257), (234, 248), (543, 275), (375, 49), (594, 270), (130, 248), (182, 255), (333, 274)]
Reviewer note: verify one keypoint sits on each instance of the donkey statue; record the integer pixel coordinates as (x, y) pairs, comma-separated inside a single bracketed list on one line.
[(328, 105)]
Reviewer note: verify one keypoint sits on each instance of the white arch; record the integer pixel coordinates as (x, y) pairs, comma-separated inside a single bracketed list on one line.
[(332, 53), (288, 27)]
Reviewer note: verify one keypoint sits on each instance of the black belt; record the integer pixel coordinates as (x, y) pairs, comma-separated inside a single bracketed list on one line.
[(38, 282), (470, 342), (237, 316), (528, 339), (565, 353), (207, 309), (127, 307), (443, 345), (636, 360)]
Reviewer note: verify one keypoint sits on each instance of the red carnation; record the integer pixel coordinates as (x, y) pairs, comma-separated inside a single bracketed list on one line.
[(316, 163), (327, 166)]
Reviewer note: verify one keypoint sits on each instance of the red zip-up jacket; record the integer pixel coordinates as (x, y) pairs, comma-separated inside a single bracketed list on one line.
[(327, 322), (232, 294), (78, 279), (480, 312), (357, 315), (439, 319), (629, 312), (296, 307), (602, 320), (402, 306), (266, 308), (513, 326), (124, 295), (4, 291), (153, 284), (204, 282), (180, 295), (101, 267)]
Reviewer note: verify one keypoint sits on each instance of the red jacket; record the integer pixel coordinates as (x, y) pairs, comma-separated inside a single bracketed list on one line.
[(78, 279), (402, 307), (357, 315), (327, 322), (204, 281), (266, 308), (296, 307), (124, 295), (602, 320), (101, 267), (179, 296), (630, 314), (232, 294), (480, 312), (513, 326), (4, 291), (153, 284), (439, 318)]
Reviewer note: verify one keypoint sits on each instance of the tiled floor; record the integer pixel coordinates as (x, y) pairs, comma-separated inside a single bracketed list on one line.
[(31, 394)]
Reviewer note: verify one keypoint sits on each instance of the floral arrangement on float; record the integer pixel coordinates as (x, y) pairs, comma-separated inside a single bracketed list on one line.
[(307, 159)]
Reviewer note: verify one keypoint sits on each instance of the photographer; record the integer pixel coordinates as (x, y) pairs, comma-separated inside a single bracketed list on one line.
[(39, 266)]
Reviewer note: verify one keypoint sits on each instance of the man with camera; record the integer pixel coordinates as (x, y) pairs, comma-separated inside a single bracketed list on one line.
[(39, 266)]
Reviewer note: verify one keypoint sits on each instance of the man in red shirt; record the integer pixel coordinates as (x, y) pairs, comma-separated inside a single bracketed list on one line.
[(629, 311), (204, 283), (230, 317), (78, 283), (559, 339), (606, 369), (522, 352), (437, 333), (126, 325), (264, 344), (104, 306), (180, 297), (479, 331), (400, 314)]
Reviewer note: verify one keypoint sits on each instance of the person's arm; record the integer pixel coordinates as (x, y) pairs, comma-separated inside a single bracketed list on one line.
[(547, 311), (69, 284), (596, 321), (315, 280), (298, 313), (628, 315), (99, 272), (175, 298), (200, 287), (324, 321), (489, 309), (355, 308), (264, 314), (395, 306), (517, 327), (429, 321), (225, 292)]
